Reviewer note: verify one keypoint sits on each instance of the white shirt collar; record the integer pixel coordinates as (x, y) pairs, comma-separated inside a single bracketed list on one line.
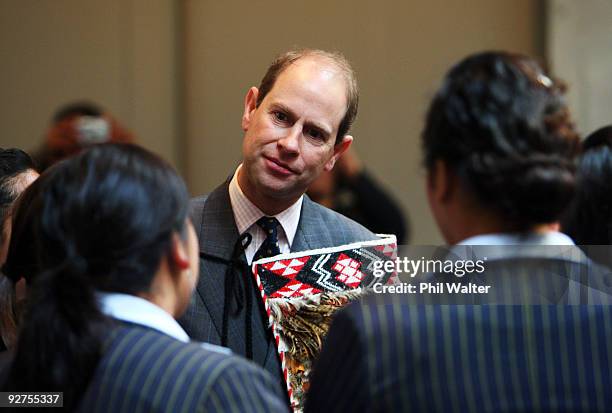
[(545, 238), (506, 246), (137, 310), (246, 213)]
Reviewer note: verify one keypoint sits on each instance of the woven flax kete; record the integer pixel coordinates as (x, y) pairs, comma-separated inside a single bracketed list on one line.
[(301, 291)]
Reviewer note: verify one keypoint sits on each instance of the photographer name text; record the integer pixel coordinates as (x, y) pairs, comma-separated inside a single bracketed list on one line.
[(431, 288)]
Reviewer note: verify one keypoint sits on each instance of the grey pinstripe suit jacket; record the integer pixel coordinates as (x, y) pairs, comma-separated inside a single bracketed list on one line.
[(213, 219)]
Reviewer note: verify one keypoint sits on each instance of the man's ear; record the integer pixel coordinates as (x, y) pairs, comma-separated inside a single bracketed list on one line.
[(250, 104), (440, 182), (339, 149), (178, 257)]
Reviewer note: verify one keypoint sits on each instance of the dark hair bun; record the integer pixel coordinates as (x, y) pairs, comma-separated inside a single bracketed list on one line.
[(504, 128), (530, 190)]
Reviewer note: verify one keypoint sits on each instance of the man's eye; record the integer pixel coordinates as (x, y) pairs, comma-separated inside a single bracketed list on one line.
[(316, 134), (280, 116)]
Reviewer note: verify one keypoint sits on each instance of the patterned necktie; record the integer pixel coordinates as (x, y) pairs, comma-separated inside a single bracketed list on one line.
[(269, 247)]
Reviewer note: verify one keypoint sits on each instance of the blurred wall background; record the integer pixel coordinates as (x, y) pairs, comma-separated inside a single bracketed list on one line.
[(121, 54), (579, 41), (176, 72)]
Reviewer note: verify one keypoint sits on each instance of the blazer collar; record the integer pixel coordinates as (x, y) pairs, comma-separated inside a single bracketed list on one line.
[(218, 231), (310, 233)]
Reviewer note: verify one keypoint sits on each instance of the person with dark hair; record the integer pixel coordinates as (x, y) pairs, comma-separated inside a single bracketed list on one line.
[(499, 150), (295, 126), (17, 171), (110, 258), (588, 221), (77, 126)]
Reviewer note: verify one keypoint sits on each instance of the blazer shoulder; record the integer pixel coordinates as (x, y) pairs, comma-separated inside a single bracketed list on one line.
[(196, 212), (186, 375), (342, 368), (343, 229), (255, 389), (196, 205)]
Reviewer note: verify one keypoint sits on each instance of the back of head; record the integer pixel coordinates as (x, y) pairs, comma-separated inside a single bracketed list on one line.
[(336, 59), (588, 221), (101, 221), (13, 163), (16, 172), (601, 138), (80, 108), (503, 128)]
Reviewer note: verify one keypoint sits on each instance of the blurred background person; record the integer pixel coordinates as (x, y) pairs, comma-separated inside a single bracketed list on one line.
[(77, 126), (499, 149), (17, 172), (589, 218), (111, 259), (350, 190)]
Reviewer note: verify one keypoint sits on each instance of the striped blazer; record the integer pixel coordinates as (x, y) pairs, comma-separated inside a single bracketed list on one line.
[(383, 355), (143, 370)]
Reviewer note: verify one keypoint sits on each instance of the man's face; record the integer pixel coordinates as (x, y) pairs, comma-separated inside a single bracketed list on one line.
[(290, 138)]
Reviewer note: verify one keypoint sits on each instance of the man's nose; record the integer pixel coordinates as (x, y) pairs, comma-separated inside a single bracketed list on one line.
[(291, 141)]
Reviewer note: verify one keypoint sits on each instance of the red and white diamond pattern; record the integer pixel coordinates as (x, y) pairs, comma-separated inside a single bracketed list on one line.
[(286, 268), (390, 250), (295, 289), (349, 271)]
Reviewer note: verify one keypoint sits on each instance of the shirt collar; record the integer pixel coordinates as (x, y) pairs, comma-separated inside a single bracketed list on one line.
[(246, 213), (550, 244), (137, 310), (545, 238)]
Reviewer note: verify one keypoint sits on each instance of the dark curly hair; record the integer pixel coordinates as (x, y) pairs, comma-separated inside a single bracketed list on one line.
[(504, 129)]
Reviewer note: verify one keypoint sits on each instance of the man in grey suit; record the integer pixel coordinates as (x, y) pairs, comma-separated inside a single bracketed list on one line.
[(295, 126)]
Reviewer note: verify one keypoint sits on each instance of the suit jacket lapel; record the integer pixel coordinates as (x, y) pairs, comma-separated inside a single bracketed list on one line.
[(310, 232), (218, 231), (218, 234)]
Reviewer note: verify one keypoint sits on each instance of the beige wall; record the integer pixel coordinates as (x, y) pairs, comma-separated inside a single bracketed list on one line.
[(176, 72), (400, 50), (119, 53), (579, 44)]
